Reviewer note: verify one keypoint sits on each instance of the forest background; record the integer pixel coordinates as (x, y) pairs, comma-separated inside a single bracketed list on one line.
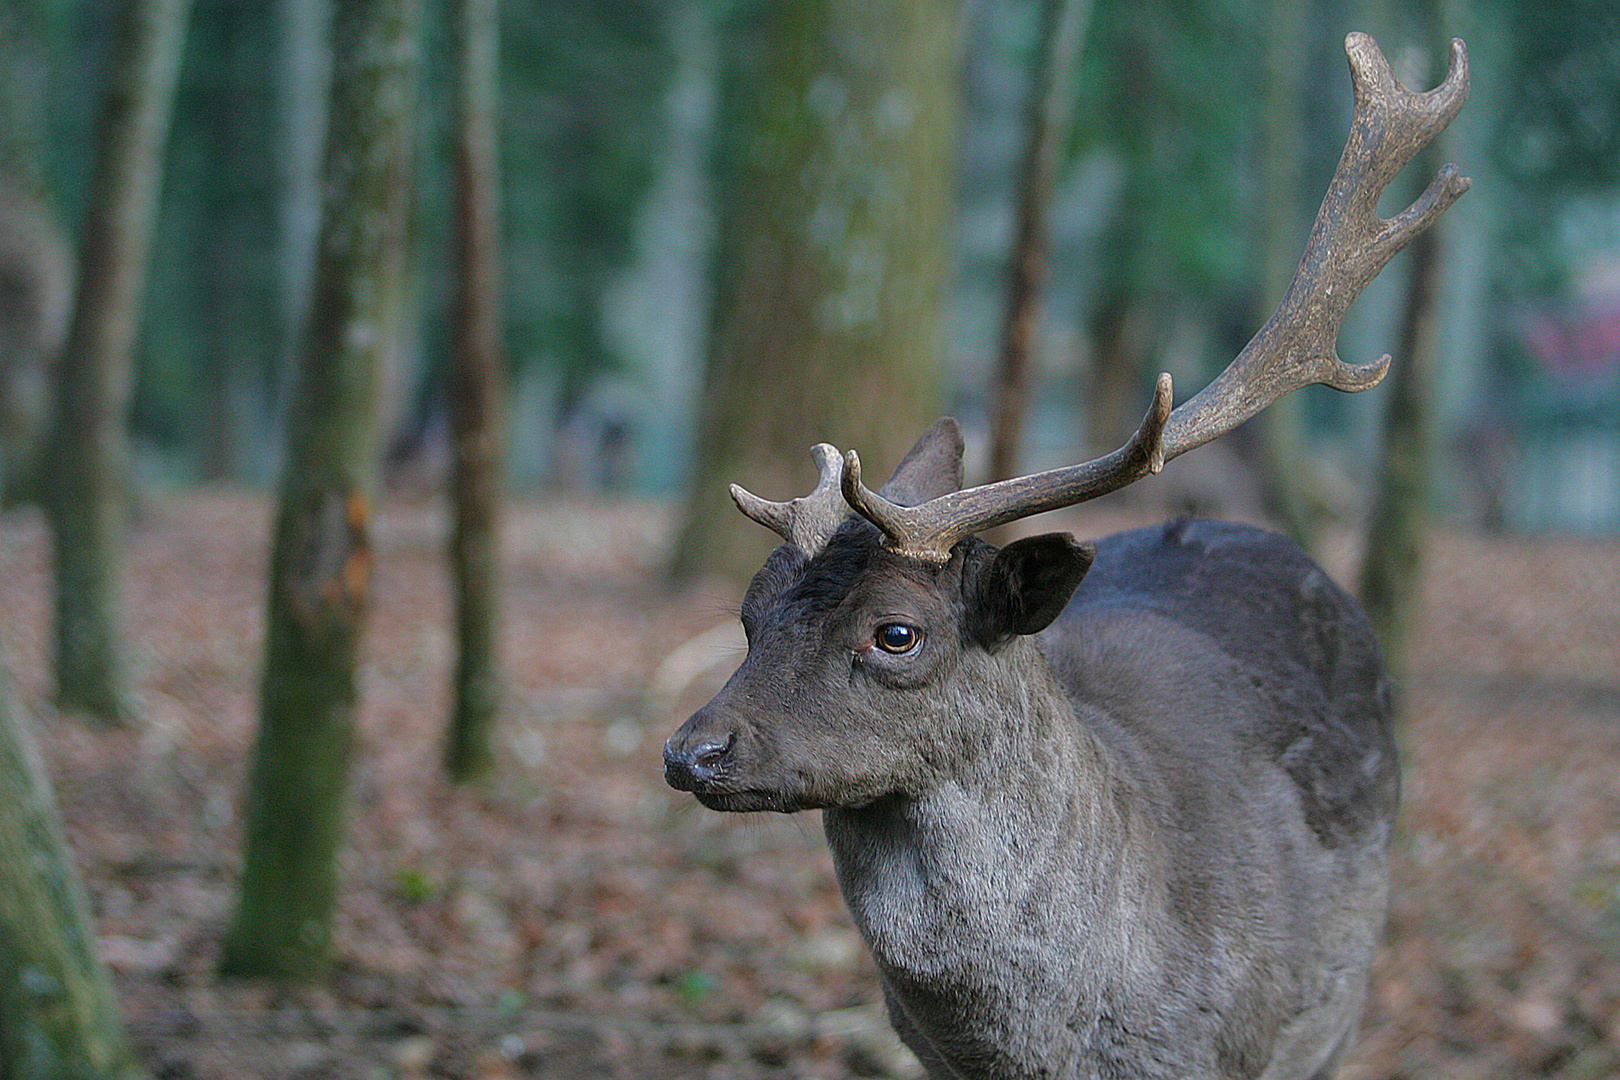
[(1189, 144)]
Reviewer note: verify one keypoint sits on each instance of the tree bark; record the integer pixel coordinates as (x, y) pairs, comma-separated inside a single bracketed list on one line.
[(477, 386), (88, 449), (1051, 92), (835, 214), (58, 1014), (320, 573)]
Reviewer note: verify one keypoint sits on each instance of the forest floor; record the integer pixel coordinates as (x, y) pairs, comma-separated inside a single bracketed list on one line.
[(576, 918)]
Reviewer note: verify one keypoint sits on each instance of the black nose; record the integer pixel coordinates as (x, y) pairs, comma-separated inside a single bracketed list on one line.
[(697, 767)]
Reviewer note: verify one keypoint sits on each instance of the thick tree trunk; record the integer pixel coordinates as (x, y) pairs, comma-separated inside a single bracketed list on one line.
[(1051, 92), (58, 1014), (85, 495), (476, 389), (835, 216), (320, 573)]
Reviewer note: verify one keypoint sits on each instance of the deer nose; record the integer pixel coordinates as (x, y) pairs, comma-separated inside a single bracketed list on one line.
[(696, 767)]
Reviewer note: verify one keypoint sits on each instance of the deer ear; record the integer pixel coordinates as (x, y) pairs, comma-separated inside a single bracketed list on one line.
[(1025, 585), (931, 468)]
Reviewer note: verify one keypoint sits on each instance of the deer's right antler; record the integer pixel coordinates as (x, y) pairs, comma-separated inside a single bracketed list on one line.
[(1348, 245)]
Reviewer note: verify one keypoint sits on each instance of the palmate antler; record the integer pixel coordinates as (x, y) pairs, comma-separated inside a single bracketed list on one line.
[(1348, 245)]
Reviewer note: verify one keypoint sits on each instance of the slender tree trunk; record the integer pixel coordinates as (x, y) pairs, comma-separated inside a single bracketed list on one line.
[(476, 389), (231, 324), (58, 1014), (1391, 575), (88, 448), (835, 214), (320, 573), (1120, 325), (1118, 329), (1288, 495), (1397, 531), (1051, 93), (36, 263)]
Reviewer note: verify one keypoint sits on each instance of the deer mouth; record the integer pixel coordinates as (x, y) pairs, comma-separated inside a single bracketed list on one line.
[(748, 802)]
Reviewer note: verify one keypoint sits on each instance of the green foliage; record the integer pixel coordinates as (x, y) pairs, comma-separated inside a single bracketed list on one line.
[(1560, 128), (581, 109), (1169, 92), (1556, 138), (581, 103)]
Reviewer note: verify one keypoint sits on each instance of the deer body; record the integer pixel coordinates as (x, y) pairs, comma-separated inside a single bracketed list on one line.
[(1103, 821), (1144, 861)]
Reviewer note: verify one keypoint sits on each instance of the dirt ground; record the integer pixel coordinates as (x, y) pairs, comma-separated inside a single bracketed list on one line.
[(577, 918)]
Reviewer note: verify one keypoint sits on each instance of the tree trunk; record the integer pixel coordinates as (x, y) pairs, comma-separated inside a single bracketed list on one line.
[(1391, 575), (36, 264), (1288, 492), (320, 572), (89, 445), (835, 216), (1391, 572), (1051, 93), (476, 390), (58, 1014), (1127, 306)]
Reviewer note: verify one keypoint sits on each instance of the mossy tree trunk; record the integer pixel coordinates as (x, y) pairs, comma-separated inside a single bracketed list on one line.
[(59, 1019), (837, 182), (476, 389), (88, 446), (320, 572)]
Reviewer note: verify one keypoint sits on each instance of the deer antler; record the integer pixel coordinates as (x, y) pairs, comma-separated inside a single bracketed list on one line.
[(1348, 245), (805, 522)]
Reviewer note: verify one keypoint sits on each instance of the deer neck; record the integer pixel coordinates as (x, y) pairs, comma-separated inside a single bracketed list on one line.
[(1030, 826)]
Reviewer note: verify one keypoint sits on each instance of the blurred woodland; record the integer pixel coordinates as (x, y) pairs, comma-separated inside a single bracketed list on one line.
[(372, 373)]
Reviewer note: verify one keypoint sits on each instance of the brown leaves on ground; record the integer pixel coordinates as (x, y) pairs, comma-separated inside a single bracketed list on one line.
[(576, 918)]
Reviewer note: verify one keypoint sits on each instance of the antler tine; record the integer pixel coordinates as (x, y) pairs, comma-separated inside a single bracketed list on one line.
[(805, 522), (1348, 245)]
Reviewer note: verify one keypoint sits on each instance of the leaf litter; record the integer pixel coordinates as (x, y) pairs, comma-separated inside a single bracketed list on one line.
[(574, 917)]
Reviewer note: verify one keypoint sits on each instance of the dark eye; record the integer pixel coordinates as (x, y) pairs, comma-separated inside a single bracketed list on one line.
[(897, 637)]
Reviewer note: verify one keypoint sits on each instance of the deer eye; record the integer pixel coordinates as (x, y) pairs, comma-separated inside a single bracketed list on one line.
[(897, 637)]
